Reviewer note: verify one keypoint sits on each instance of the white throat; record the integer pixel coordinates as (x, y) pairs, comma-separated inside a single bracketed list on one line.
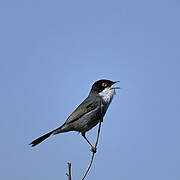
[(107, 94)]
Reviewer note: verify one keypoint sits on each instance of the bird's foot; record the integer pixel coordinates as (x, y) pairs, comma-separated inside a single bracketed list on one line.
[(93, 149)]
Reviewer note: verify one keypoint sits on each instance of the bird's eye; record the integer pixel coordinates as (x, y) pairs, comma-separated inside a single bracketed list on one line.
[(104, 84)]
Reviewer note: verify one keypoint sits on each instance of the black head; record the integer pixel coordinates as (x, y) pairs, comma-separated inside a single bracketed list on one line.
[(100, 85)]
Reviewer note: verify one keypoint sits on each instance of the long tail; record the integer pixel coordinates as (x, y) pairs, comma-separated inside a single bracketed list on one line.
[(42, 138)]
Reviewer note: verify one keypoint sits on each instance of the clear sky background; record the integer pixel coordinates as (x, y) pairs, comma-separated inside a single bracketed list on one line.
[(51, 54)]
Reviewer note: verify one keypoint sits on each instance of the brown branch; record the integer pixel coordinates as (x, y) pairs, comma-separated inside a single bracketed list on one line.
[(93, 152), (92, 157), (69, 171)]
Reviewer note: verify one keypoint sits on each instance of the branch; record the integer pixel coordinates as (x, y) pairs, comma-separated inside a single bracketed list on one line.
[(93, 152), (69, 171)]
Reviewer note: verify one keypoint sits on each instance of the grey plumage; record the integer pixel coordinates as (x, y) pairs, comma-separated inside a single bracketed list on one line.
[(88, 113)]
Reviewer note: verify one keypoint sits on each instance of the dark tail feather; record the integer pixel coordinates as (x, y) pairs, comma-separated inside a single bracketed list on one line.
[(40, 139)]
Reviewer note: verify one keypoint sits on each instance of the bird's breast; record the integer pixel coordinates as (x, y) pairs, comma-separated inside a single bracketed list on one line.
[(107, 95)]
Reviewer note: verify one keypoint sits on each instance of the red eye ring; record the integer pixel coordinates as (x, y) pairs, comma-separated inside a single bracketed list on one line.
[(104, 84)]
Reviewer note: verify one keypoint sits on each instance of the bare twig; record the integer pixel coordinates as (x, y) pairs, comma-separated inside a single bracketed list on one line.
[(93, 152), (69, 171), (92, 157)]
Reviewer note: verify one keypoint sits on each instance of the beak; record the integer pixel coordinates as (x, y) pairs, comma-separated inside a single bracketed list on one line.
[(115, 83)]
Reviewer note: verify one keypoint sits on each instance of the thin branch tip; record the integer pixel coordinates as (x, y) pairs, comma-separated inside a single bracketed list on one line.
[(69, 171), (94, 150)]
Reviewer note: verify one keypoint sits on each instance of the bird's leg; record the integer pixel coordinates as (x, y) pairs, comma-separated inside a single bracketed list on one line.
[(93, 149)]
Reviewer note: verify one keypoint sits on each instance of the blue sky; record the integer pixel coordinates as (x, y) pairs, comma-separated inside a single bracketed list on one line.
[(51, 54)]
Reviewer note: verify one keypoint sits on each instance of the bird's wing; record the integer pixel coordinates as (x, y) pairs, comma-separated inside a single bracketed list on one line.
[(86, 106)]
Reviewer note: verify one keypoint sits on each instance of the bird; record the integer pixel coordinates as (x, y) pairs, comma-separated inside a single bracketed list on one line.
[(88, 114)]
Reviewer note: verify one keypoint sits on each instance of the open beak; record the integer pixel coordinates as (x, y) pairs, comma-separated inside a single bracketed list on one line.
[(115, 83)]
